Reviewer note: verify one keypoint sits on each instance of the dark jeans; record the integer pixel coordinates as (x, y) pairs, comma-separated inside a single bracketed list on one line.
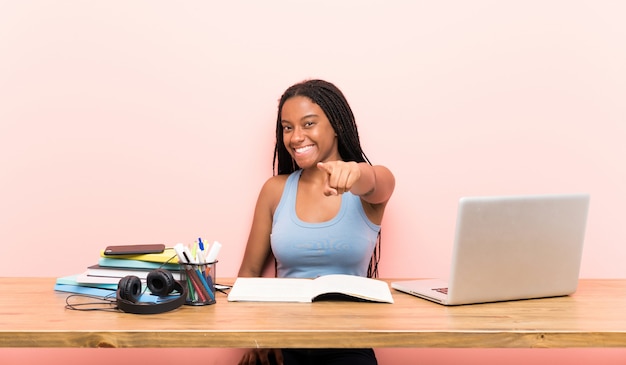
[(329, 357)]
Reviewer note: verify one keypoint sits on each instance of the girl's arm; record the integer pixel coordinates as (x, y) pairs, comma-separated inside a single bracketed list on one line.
[(374, 184), (258, 247)]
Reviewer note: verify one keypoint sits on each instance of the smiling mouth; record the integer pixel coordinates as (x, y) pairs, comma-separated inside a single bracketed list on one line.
[(303, 149)]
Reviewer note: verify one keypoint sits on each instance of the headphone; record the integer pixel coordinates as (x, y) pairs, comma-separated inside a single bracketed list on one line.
[(160, 282)]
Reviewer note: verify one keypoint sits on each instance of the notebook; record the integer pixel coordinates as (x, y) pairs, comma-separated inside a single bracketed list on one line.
[(511, 248)]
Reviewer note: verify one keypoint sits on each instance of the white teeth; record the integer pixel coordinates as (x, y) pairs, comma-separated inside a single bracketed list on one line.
[(303, 149)]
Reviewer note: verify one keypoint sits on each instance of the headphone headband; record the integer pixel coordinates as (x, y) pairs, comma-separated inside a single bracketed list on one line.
[(132, 306)]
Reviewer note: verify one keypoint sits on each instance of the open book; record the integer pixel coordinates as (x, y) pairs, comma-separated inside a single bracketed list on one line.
[(335, 286)]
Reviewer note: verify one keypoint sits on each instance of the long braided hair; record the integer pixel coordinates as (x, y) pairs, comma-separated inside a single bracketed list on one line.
[(334, 104)]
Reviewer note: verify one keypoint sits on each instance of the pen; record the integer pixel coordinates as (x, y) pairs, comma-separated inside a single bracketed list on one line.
[(192, 276), (203, 273), (201, 261), (183, 259), (192, 292), (194, 252), (191, 259), (215, 249), (209, 291), (201, 254), (180, 252)]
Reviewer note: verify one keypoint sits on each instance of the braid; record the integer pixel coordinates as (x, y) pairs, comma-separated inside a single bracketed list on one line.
[(372, 270)]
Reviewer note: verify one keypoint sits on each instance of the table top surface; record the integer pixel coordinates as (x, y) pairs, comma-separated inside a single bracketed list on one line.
[(32, 314)]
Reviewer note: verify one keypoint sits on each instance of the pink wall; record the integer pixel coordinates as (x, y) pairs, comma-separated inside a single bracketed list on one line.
[(152, 121)]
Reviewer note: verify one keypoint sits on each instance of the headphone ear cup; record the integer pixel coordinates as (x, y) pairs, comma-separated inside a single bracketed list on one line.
[(129, 288), (160, 282)]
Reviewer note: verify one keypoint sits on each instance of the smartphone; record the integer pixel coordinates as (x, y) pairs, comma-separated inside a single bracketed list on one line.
[(134, 249)]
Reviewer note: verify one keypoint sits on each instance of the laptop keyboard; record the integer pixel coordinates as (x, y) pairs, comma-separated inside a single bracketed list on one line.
[(441, 290)]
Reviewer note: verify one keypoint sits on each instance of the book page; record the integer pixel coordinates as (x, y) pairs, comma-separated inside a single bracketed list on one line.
[(271, 290), (356, 286)]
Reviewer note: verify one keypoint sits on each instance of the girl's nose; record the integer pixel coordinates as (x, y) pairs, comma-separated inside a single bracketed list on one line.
[(297, 134)]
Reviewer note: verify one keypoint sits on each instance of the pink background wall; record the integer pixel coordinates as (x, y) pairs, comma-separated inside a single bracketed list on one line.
[(152, 121)]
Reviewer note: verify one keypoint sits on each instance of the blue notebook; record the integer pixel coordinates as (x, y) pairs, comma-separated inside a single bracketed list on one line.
[(146, 297), (71, 280)]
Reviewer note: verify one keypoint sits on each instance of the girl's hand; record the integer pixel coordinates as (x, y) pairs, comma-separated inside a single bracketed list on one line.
[(340, 176)]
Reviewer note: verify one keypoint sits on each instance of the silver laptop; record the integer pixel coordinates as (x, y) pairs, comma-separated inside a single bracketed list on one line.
[(510, 248)]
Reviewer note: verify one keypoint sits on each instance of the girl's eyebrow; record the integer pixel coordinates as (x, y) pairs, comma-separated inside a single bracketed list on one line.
[(313, 115), (309, 116)]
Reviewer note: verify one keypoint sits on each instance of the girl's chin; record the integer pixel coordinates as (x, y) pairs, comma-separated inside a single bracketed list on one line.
[(304, 164)]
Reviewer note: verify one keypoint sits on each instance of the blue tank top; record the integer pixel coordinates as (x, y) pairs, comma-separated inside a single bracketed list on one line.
[(342, 245)]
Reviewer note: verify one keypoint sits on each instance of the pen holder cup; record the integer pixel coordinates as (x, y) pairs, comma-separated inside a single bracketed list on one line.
[(200, 282)]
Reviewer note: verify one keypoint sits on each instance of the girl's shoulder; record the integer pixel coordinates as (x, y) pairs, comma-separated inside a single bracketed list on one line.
[(273, 187), (277, 180)]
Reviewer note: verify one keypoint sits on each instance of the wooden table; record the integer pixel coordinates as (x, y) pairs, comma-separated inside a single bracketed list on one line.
[(33, 315)]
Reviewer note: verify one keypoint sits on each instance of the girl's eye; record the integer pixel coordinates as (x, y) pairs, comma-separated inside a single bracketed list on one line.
[(286, 128), (308, 124)]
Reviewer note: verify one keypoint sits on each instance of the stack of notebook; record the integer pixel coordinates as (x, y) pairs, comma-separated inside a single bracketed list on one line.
[(101, 279)]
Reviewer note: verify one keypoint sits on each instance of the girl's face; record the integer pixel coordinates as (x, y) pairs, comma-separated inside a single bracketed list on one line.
[(307, 133)]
